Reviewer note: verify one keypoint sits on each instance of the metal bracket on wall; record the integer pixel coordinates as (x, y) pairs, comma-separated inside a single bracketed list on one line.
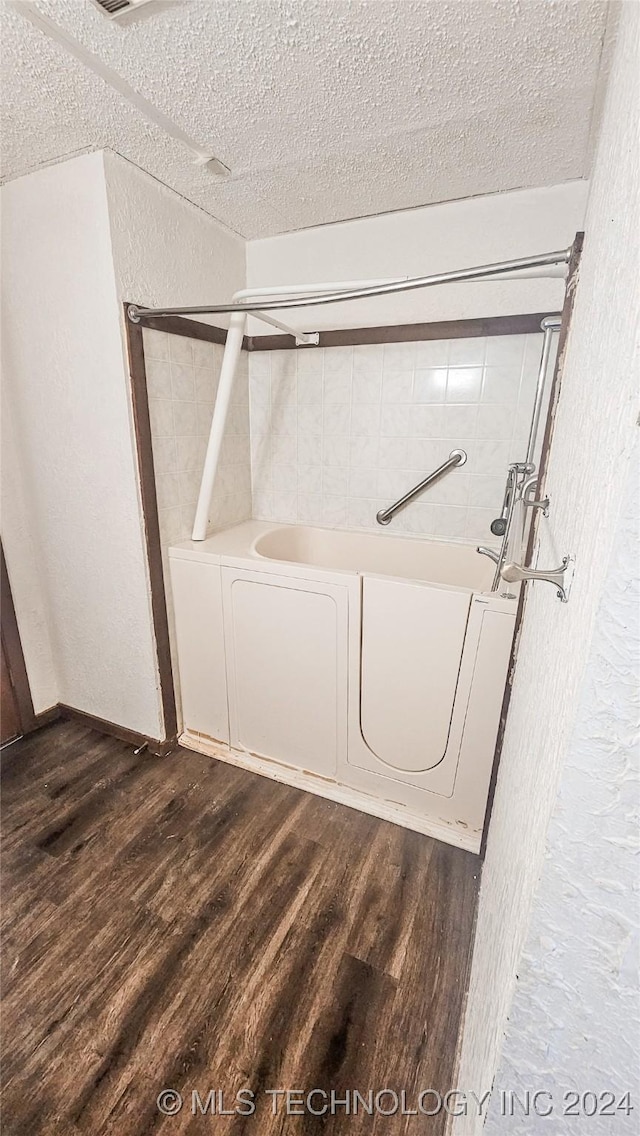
[(542, 504), (528, 498), (560, 577)]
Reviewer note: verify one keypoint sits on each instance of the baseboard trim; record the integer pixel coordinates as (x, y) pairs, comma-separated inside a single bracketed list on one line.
[(332, 790), (102, 726), (45, 718)]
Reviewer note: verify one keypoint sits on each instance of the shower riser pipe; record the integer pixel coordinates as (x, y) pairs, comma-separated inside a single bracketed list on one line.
[(549, 326)]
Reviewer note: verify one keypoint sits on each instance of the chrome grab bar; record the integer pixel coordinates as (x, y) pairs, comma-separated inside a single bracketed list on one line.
[(456, 457)]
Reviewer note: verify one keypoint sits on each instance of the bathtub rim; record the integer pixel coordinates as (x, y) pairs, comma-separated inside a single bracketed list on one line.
[(236, 546)]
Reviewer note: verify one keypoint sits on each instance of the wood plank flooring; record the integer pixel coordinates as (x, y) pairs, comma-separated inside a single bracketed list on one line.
[(180, 923)]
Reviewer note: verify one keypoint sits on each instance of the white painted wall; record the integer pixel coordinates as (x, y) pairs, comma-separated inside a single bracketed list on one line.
[(79, 239), (166, 251), (588, 471), (574, 1022), (414, 242), (182, 381), (64, 369), (23, 555)]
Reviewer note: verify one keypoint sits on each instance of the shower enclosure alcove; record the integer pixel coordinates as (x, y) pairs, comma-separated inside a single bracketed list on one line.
[(310, 644)]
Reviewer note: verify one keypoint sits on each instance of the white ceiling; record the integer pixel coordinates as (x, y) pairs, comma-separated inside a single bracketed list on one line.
[(322, 109)]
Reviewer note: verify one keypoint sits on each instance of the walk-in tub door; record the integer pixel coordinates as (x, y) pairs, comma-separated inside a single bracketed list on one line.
[(412, 642), (286, 643)]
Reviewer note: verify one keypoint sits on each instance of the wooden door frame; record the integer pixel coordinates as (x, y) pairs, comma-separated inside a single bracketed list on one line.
[(556, 382), (13, 653)]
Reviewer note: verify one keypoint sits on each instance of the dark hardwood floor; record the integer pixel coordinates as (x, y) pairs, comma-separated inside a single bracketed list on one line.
[(179, 923)]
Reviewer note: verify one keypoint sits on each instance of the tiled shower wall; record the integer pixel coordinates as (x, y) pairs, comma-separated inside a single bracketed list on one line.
[(182, 379), (338, 433)]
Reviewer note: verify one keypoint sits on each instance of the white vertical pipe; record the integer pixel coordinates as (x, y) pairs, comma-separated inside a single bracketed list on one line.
[(230, 359)]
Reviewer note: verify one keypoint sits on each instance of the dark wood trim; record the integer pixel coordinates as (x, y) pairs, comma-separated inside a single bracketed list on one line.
[(142, 425), (102, 726), (13, 652), (179, 325), (46, 717), (131, 737), (356, 336), (567, 311), (408, 332)]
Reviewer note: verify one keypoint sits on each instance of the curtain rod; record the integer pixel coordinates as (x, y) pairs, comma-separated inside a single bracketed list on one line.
[(404, 285)]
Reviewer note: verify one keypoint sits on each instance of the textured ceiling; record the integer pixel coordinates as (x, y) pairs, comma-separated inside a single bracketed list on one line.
[(322, 109)]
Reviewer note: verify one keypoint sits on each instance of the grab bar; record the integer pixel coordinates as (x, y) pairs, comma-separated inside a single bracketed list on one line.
[(456, 457)]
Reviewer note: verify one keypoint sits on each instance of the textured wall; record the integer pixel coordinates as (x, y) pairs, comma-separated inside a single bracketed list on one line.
[(23, 553), (166, 252), (588, 469), (64, 368), (339, 433), (575, 1019), (94, 228), (182, 380)]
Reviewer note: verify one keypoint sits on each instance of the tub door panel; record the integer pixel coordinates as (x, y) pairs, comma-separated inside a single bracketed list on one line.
[(287, 644), (412, 642), (197, 602)]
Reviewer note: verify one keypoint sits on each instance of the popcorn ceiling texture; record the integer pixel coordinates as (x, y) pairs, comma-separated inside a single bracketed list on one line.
[(322, 110), (595, 428), (575, 1018)]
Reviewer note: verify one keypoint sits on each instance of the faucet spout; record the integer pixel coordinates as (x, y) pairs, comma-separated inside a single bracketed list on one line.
[(488, 552)]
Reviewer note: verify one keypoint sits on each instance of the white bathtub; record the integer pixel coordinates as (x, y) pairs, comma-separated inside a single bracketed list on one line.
[(432, 561), (369, 669)]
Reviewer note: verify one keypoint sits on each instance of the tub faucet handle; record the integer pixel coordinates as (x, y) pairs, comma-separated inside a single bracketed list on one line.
[(560, 577)]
